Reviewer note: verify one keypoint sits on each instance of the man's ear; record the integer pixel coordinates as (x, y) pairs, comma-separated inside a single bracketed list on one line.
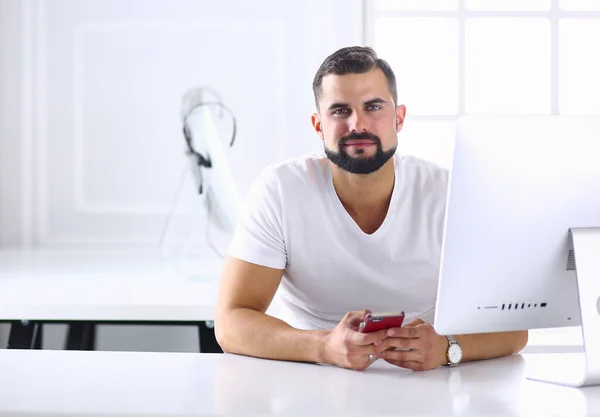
[(316, 122), (400, 115)]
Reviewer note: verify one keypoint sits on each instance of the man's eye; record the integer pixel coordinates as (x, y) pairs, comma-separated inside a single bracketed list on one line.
[(341, 111), (373, 107)]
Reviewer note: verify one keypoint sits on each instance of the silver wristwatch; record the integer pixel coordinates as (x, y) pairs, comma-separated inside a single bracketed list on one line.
[(454, 352)]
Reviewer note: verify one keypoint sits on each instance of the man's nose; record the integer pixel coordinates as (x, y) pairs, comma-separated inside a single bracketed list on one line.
[(358, 122)]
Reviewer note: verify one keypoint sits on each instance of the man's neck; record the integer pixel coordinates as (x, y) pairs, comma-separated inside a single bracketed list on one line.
[(365, 195)]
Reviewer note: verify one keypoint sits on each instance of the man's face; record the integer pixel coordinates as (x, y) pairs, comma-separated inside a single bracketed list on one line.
[(358, 121)]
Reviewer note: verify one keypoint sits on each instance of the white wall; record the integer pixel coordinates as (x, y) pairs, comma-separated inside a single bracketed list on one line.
[(90, 142)]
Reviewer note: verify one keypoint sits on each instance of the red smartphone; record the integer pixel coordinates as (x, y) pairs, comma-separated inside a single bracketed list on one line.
[(378, 321)]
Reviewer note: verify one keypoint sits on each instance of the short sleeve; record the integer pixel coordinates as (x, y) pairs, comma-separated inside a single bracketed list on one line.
[(258, 238)]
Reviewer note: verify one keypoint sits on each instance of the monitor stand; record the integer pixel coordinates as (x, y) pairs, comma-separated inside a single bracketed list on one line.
[(578, 370)]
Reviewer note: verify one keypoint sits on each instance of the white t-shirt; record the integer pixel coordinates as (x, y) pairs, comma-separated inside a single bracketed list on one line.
[(294, 220)]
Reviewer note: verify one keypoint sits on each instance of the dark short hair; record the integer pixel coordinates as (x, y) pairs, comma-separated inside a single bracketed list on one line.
[(353, 60)]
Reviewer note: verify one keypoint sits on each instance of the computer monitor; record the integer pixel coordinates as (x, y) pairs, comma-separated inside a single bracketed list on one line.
[(521, 246)]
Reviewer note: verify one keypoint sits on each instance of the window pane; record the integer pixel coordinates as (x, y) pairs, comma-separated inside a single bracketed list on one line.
[(578, 67), (507, 66), (508, 4), (432, 141), (579, 4), (423, 53), (416, 4)]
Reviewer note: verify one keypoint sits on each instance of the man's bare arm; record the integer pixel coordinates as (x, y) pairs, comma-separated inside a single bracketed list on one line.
[(492, 345), (425, 349), (242, 327)]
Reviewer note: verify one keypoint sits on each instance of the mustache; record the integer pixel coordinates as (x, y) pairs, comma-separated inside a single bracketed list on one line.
[(358, 136)]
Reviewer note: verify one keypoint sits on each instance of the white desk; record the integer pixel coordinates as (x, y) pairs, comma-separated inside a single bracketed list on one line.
[(106, 286), (61, 383)]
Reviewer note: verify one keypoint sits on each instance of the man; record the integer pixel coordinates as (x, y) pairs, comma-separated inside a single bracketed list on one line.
[(355, 228)]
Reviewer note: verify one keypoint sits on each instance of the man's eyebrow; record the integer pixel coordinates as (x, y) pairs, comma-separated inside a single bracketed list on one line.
[(338, 106), (377, 100)]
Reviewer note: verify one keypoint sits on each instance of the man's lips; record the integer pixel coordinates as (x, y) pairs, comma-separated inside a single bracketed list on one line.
[(359, 142)]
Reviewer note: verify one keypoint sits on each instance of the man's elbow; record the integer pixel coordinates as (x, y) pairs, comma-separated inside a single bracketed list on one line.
[(222, 331)]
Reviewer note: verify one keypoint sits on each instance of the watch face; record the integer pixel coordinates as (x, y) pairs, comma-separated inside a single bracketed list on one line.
[(455, 353)]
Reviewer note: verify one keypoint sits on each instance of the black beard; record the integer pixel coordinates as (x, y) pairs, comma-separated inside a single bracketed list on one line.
[(359, 165)]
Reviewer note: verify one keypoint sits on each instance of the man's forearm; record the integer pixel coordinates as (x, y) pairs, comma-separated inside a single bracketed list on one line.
[(249, 332), (491, 345)]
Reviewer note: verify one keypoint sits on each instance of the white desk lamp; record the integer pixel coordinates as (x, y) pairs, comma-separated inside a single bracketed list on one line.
[(209, 167)]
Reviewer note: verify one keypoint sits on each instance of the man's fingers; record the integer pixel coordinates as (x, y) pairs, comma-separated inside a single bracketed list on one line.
[(402, 355), (354, 318), (401, 342), (407, 332), (368, 350), (414, 322), (415, 366), (368, 338), (360, 357)]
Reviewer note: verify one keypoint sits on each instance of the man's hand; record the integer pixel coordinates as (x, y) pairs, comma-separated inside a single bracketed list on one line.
[(346, 347), (426, 348)]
